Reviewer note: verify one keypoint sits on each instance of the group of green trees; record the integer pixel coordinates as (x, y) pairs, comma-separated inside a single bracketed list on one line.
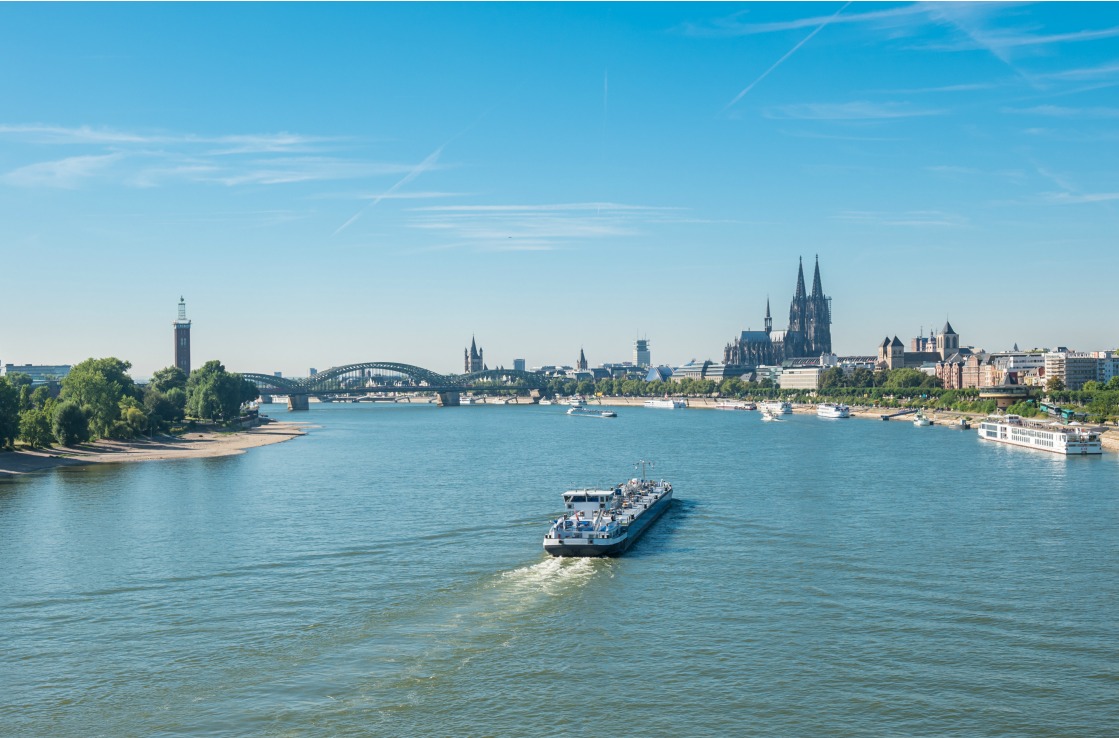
[(98, 399), (832, 380), (886, 388)]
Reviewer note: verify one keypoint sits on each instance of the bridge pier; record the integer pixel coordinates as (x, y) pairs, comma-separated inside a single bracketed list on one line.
[(298, 402), (448, 399)]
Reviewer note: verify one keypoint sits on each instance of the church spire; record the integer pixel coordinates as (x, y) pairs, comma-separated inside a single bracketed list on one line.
[(817, 289), (800, 294), (768, 317)]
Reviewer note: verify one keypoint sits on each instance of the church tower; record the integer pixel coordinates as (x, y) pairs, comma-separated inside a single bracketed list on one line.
[(948, 342), (182, 339), (819, 318), (472, 358), (797, 336), (581, 365), (768, 317)]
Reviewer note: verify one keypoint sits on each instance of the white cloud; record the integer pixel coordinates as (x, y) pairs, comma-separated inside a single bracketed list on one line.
[(912, 218), (540, 227), (859, 110), (146, 159), (64, 173), (732, 26), (1059, 111), (1073, 198)]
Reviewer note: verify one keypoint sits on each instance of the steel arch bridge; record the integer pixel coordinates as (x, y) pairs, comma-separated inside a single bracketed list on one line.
[(389, 376)]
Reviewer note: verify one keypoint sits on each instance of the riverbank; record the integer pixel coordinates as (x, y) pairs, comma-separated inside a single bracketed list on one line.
[(1109, 436), (161, 448)]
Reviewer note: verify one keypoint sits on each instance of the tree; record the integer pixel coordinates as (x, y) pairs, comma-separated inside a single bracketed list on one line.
[(98, 386), (35, 428), (1113, 383), (9, 413), (861, 378), (40, 397), (832, 378), (1090, 386), (216, 394), (161, 409), (905, 378), (167, 378), (1054, 384), (70, 424)]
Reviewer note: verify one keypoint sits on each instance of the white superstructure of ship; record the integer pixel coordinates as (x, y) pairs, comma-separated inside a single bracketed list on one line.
[(781, 408), (1052, 436), (833, 410), (666, 403)]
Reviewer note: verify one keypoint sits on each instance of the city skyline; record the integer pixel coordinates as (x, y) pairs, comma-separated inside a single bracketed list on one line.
[(332, 184)]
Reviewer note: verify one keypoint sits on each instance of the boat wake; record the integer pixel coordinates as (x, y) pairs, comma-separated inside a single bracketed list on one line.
[(552, 577)]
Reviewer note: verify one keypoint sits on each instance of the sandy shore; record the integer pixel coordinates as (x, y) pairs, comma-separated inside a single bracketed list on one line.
[(162, 448)]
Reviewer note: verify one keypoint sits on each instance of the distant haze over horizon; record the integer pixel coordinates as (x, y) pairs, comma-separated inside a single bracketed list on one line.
[(331, 184)]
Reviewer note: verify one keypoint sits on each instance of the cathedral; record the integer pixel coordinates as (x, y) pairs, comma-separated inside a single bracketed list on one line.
[(808, 334)]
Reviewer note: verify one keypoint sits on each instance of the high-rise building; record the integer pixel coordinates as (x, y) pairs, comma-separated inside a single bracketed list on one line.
[(641, 352), (182, 339), (518, 365)]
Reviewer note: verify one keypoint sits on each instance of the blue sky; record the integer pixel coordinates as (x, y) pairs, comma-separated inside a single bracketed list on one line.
[(329, 184)]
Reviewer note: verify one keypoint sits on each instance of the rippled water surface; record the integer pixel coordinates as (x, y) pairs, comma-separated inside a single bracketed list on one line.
[(384, 575)]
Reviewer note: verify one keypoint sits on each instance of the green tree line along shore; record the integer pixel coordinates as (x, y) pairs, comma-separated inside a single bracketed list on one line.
[(98, 399)]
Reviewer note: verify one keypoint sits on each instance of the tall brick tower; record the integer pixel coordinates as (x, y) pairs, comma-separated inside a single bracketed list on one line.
[(182, 339)]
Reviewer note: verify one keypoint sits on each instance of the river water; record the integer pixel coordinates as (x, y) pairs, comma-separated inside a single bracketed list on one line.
[(384, 575)]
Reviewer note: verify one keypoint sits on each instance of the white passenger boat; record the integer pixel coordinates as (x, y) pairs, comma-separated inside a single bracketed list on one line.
[(921, 420), (607, 522), (546, 402), (588, 412), (781, 408), (769, 414), (734, 405), (577, 401), (666, 404), (470, 400), (833, 410), (1058, 438)]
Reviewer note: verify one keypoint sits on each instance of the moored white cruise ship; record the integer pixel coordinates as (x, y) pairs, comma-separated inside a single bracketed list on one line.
[(667, 404), (833, 410), (607, 522), (735, 405), (781, 408), (1070, 440)]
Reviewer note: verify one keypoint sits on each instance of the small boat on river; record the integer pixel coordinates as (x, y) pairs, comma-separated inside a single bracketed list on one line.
[(770, 414), (921, 420), (591, 412), (607, 522)]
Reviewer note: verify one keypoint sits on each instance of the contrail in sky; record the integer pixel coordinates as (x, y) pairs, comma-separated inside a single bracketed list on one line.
[(419, 169), (791, 51)]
